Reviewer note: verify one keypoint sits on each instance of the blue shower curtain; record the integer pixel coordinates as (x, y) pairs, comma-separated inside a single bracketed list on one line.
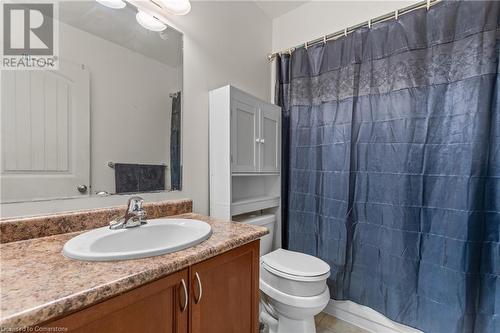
[(392, 165), (175, 143)]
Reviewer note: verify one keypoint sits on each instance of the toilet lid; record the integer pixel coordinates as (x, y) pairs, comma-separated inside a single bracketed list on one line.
[(295, 263)]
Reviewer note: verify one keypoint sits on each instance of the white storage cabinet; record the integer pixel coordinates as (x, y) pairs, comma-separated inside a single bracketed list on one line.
[(245, 154)]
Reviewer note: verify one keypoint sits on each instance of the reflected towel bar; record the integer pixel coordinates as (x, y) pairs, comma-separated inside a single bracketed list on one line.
[(112, 164)]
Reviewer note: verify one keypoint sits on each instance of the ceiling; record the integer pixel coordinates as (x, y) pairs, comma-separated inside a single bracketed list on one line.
[(274, 9), (120, 27)]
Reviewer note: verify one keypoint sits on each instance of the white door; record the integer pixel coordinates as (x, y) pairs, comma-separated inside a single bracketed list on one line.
[(270, 132), (244, 130), (45, 133)]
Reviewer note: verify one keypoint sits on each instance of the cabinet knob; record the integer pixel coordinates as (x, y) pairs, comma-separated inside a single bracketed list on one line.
[(262, 140), (82, 188), (198, 281)]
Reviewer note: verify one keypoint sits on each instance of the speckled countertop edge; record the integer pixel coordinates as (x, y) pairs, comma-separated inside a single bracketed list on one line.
[(79, 284)]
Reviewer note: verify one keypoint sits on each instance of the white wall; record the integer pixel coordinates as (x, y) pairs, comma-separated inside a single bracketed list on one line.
[(318, 18), (224, 43)]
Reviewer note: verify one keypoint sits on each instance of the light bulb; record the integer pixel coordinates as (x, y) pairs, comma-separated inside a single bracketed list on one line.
[(176, 7), (115, 4), (149, 22)]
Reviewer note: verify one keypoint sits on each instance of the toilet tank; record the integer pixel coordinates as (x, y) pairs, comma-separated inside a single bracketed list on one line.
[(264, 220)]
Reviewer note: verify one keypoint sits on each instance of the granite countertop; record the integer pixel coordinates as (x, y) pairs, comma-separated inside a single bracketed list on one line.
[(39, 284)]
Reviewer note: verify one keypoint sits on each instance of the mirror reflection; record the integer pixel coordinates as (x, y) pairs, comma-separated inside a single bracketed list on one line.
[(107, 121)]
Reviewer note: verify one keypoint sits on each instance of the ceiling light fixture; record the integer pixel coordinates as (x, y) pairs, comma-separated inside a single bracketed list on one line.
[(115, 4), (176, 7), (149, 22)]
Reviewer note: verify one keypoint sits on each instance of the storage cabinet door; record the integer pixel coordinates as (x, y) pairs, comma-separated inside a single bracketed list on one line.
[(158, 307), (244, 130), (225, 292), (270, 138)]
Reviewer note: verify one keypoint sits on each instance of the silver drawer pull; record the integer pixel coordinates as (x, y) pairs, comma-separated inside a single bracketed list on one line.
[(186, 299), (198, 280)]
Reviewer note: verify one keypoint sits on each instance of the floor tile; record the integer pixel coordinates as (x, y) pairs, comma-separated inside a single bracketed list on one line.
[(323, 330), (328, 324), (331, 324), (318, 318)]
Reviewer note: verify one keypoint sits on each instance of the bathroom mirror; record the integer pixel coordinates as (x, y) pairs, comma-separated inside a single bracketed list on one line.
[(107, 121)]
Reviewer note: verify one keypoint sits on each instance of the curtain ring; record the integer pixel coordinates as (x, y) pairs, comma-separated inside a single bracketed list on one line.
[(396, 14), (324, 39), (369, 23), (305, 45), (428, 4), (345, 32)]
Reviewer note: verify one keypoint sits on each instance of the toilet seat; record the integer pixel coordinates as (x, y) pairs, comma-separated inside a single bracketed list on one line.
[(295, 277), (295, 266), (294, 273)]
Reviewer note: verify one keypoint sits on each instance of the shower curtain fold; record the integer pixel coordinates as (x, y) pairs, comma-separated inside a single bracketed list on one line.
[(391, 165), (175, 143)]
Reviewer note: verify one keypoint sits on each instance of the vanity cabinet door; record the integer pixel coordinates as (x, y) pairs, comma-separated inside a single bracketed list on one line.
[(244, 136), (270, 138), (155, 307), (225, 292)]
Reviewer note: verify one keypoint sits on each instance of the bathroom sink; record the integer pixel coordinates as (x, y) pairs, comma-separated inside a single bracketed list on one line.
[(158, 236)]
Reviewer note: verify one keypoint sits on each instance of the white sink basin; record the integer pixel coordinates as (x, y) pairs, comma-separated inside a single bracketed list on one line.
[(158, 236)]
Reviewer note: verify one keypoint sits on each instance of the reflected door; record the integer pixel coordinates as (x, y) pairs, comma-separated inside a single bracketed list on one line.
[(45, 134)]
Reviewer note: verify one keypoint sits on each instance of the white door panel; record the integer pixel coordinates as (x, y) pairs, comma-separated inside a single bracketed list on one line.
[(270, 138), (45, 133)]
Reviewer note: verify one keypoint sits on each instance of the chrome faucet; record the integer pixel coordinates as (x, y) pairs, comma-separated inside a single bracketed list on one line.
[(134, 217)]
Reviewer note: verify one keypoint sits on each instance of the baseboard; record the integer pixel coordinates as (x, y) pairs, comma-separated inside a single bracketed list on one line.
[(366, 318)]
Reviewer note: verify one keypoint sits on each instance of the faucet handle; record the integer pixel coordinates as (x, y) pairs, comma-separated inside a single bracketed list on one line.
[(134, 217), (135, 204)]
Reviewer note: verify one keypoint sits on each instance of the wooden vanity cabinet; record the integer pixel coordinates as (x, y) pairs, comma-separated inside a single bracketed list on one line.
[(225, 292), (222, 294)]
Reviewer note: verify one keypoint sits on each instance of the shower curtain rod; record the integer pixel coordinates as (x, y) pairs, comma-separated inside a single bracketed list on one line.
[(395, 14)]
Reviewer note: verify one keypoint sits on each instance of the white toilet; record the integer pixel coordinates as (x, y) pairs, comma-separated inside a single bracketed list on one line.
[(293, 285)]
